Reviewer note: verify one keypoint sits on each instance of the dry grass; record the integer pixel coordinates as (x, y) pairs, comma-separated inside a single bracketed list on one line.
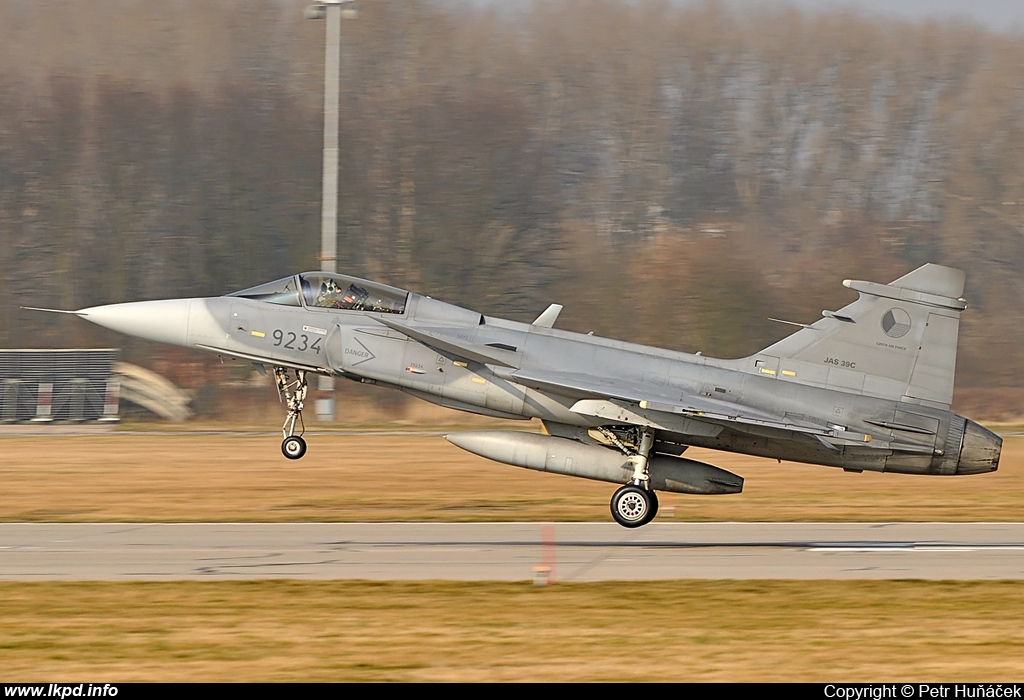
[(429, 631), (825, 631), (134, 476)]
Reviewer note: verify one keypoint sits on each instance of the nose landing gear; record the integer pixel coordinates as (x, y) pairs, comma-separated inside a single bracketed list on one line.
[(293, 393)]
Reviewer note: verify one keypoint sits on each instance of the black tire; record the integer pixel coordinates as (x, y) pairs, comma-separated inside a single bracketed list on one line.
[(654, 505), (293, 447), (632, 506)]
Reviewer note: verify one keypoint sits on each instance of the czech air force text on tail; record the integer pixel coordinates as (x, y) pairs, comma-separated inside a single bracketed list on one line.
[(867, 387)]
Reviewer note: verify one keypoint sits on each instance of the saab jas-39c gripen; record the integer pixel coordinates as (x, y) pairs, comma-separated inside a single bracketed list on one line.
[(867, 387)]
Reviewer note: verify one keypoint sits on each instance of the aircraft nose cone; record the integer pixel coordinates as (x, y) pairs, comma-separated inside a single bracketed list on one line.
[(165, 321)]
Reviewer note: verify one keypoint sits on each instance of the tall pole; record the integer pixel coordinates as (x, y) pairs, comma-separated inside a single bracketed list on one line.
[(332, 11), (329, 207)]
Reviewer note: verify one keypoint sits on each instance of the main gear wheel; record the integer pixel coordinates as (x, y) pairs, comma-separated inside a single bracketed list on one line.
[(634, 506)]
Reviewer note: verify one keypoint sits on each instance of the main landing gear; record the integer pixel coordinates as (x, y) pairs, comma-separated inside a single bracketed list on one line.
[(292, 392), (635, 504)]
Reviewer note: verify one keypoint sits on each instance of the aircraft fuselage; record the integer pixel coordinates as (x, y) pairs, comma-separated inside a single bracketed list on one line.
[(865, 388)]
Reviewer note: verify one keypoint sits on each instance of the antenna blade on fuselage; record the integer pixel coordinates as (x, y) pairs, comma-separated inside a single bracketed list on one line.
[(548, 318)]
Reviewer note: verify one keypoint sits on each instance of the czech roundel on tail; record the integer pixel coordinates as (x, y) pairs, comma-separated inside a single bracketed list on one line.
[(867, 387)]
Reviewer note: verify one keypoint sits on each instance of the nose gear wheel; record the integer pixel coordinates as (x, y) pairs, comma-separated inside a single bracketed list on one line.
[(292, 393), (293, 447)]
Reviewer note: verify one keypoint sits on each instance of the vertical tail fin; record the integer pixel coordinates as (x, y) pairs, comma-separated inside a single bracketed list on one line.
[(902, 336)]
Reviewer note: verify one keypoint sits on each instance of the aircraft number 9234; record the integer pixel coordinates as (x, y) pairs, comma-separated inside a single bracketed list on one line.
[(303, 339)]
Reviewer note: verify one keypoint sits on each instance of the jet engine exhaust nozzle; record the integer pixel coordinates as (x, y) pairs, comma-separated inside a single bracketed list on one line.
[(979, 451)]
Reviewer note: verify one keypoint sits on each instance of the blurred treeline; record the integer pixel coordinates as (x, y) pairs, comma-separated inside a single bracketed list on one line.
[(673, 173)]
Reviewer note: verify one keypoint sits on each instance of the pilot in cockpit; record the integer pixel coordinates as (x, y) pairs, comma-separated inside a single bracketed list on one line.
[(330, 295)]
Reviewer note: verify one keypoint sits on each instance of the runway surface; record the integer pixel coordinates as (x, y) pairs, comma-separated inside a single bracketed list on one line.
[(510, 551)]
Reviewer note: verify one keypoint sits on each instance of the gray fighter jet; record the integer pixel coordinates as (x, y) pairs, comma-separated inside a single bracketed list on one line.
[(867, 387)]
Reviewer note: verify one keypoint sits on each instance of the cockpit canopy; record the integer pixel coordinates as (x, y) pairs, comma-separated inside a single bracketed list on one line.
[(326, 290)]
